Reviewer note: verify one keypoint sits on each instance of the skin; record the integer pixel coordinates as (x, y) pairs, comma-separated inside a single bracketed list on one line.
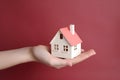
[(40, 53)]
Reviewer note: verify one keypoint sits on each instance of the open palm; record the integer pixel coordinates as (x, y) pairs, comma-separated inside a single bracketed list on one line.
[(42, 54)]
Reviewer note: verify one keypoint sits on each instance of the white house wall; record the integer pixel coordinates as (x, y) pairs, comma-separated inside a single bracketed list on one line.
[(60, 42), (72, 52), (77, 51), (57, 39)]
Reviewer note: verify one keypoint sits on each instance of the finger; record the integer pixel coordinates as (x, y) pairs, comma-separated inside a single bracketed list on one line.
[(65, 63), (83, 56), (59, 63), (82, 50)]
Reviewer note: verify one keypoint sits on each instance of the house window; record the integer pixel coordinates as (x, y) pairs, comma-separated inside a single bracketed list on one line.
[(75, 47), (56, 47), (61, 36), (65, 48)]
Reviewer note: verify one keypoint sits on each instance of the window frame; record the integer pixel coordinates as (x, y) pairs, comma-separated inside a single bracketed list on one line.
[(65, 48), (61, 36), (75, 47), (56, 47)]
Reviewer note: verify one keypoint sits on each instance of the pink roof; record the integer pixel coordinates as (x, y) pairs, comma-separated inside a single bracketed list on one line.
[(72, 39)]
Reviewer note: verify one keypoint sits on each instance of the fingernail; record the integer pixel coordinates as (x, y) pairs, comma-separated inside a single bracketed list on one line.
[(93, 52)]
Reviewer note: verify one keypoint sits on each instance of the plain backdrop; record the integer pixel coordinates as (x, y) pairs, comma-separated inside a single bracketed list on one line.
[(33, 22)]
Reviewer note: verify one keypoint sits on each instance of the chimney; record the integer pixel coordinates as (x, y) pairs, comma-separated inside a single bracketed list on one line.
[(72, 29)]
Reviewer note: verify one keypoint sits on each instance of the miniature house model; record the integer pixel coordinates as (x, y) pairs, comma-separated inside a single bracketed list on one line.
[(66, 43)]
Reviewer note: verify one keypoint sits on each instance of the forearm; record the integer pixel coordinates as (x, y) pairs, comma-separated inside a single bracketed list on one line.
[(38, 53), (13, 57)]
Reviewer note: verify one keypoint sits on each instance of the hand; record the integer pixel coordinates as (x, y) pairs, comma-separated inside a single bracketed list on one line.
[(42, 54)]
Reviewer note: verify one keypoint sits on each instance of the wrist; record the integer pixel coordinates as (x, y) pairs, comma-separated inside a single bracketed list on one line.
[(30, 54)]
